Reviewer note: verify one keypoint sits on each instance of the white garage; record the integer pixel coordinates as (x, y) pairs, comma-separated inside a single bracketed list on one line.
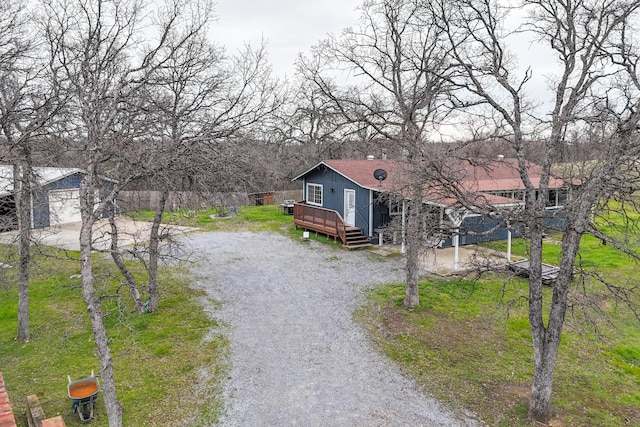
[(64, 206)]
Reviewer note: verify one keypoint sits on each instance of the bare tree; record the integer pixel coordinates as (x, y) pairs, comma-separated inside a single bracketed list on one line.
[(397, 65), (203, 99), (14, 49), (312, 124), (27, 105), (106, 51), (119, 261), (581, 36)]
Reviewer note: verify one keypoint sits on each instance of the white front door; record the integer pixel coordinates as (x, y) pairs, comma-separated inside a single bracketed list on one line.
[(350, 207)]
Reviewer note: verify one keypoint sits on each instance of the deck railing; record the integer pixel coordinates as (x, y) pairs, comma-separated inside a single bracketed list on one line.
[(318, 219)]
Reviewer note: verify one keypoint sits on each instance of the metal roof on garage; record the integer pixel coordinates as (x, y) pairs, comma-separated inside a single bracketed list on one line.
[(46, 175)]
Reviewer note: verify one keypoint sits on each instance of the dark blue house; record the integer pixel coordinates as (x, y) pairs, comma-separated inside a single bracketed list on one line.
[(367, 195), (349, 188)]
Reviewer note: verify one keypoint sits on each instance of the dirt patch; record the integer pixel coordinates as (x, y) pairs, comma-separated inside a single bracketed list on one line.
[(395, 323), (443, 330), (578, 298)]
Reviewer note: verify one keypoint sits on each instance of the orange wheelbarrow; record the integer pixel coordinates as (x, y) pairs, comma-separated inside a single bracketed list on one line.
[(83, 393)]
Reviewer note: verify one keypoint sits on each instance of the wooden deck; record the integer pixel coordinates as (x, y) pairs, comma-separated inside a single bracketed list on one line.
[(549, 272), (329, 223)]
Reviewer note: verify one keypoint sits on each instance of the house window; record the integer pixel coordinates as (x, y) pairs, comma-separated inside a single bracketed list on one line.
[(557, 197), (314, 194), (395, 208), (563, 197)]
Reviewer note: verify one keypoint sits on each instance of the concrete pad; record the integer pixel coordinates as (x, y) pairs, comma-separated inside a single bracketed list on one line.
[(442, 261), (67, 236)]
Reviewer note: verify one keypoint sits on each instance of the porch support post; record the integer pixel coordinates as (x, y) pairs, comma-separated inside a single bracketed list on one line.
[(370, 213), (304, 190), (457, 218), (404, 219), (33, 216), (456, 252)]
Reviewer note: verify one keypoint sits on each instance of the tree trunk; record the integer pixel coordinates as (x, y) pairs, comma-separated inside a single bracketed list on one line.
[(412, 236), (412, 296), (119, 262), (544, 359), (111, 403), (546, 341), (22, 180), (543, 354), (154, 243)]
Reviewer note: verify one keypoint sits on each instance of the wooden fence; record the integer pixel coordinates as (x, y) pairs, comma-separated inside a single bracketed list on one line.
[(146, 199)]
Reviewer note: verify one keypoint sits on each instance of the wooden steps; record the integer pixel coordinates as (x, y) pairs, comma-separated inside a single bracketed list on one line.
[(355, 238)]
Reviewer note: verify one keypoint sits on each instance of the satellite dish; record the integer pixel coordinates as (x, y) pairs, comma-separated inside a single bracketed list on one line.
[(380, 175)]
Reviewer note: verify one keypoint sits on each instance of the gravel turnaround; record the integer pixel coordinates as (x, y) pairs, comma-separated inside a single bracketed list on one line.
[(297, 358)]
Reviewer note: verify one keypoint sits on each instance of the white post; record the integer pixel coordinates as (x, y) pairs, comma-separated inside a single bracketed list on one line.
[(370, 213), (456, 245), (508, 245), (404, 218), (32, 215)]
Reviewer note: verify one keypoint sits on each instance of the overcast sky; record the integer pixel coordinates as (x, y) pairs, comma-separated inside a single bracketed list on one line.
[(289, 26), (293, 26)]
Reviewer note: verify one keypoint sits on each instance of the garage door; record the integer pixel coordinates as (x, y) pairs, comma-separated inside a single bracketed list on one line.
[(64, 206)]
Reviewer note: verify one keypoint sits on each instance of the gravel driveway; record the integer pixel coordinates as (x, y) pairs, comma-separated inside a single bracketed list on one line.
[(297, 356)]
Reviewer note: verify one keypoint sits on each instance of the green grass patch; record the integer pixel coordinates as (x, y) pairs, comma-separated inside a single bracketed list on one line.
[(593, 255), (167, 373), (252, 218), (266, 218), (469, 343)]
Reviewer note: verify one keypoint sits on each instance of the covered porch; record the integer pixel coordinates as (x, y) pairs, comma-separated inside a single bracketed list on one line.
[(444, 231)]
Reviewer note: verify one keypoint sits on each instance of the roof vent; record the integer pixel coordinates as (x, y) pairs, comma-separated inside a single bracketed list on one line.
[(371, 157), (500, 157)]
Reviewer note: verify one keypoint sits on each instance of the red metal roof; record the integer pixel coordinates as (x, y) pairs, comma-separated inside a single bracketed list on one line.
[(501, 175), (361, 172), (481, 178)]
